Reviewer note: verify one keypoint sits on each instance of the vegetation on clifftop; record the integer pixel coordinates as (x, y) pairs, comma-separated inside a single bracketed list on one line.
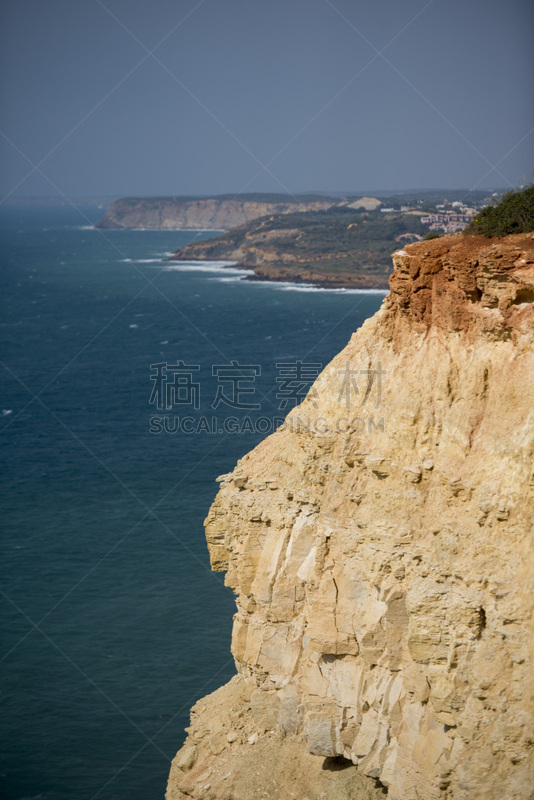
[(513, 214), (339, 240)]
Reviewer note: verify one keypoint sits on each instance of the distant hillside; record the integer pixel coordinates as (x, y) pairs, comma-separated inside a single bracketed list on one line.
[(217, 213), (340, 246)]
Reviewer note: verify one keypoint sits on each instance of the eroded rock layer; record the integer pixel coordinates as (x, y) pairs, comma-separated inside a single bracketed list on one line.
[(217, 213), (381, 549)]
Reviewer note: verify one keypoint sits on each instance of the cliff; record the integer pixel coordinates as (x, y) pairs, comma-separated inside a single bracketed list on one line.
[(215, 213), (380, 545)]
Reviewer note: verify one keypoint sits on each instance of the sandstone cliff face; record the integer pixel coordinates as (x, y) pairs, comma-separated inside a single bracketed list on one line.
[(210, 213), (381, 549)]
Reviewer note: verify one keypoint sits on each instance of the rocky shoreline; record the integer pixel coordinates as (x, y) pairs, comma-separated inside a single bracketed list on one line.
[(340, 248), (340, 282), (280, 273)]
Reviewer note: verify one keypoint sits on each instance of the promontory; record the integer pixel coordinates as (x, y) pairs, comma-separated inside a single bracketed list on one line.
[(215, 213)]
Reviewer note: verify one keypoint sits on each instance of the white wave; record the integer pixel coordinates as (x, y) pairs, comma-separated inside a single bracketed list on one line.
[(310, 287), (174, 230), (296, 287), (212, 270), (340, 290), (226, 267), (203, 263), (141, 260), (235, 278), (55, 228)]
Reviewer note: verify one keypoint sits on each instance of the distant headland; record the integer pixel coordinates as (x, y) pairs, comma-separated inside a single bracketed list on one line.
[(328, 241), (216, 213)]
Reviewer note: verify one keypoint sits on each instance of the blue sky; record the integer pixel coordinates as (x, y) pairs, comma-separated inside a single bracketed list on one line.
[(129, 97)]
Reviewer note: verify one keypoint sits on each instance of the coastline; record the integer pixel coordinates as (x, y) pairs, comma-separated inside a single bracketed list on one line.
[(281, 274)]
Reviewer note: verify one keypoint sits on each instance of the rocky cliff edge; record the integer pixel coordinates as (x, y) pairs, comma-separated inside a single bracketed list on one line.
[(214, 213), (380, 546)]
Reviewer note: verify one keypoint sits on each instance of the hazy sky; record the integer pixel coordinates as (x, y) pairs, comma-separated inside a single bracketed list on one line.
[(145, 97)]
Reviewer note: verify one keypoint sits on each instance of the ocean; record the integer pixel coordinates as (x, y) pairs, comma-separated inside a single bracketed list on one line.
[(128, 385)]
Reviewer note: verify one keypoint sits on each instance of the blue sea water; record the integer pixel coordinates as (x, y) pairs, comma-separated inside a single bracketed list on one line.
[(114, 624)]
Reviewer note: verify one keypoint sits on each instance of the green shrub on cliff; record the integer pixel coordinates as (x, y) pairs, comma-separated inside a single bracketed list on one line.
[(513, 214)]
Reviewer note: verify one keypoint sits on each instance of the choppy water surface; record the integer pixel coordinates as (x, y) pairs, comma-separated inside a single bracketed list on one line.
[(114, 624)]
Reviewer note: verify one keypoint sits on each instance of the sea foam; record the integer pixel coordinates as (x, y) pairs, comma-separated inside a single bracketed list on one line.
[(286, 286), (226, 267)]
